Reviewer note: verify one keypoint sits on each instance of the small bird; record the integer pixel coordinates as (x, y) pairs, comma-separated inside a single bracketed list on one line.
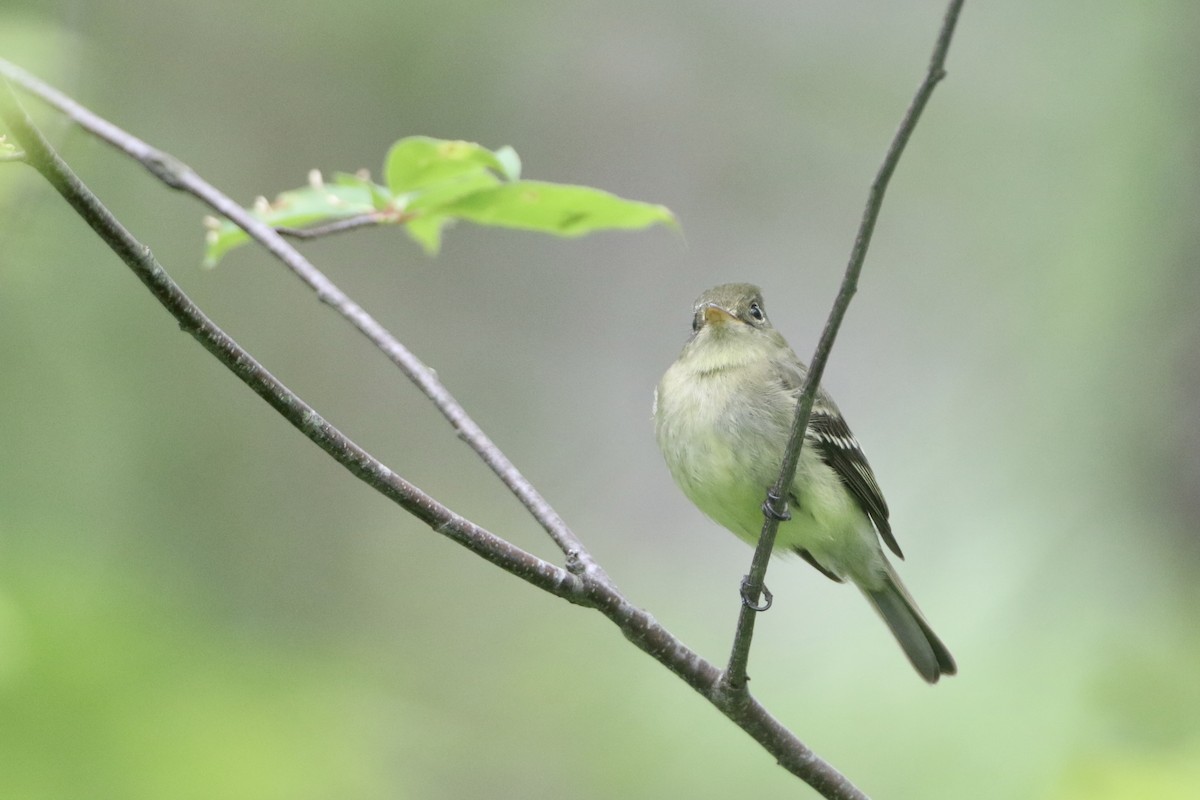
[(723, 413)]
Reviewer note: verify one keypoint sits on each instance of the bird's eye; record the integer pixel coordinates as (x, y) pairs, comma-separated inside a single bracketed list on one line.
[(757, 312)]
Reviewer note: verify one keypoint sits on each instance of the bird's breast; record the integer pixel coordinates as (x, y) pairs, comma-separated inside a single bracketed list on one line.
[(720, 433)]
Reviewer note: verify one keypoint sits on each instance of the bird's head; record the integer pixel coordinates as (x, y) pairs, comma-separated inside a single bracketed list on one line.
[(729, 308)]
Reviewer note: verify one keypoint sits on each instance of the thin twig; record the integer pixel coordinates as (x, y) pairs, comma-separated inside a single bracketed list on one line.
[(178, 175), (776, 502), (191, 319), (638, 626), (337, 226), (586, 590)]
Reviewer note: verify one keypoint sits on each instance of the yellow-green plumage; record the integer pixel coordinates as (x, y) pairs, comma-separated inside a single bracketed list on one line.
[(723, 412)]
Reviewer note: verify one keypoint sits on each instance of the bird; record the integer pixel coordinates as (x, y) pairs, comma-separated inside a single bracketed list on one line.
[(723, 413)]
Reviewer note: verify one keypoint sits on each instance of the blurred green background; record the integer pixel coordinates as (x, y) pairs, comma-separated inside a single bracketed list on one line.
[(196, 603)]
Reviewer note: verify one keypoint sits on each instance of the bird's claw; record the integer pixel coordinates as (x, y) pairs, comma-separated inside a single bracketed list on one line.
[(768, 598), (768, 508)]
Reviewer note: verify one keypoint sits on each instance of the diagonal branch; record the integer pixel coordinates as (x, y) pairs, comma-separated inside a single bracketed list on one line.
[(588, 589), (192, 320), (584, 582), (178, 175), (775, 507)]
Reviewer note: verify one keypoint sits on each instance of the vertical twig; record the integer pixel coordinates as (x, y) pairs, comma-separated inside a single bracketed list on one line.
[(776, 502), (638, 626)]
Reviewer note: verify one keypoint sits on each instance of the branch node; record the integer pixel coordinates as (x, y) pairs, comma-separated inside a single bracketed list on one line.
[(166, 168)]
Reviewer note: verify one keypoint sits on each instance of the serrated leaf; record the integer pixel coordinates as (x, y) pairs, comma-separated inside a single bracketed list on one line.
[(560, 209), (420, 161)]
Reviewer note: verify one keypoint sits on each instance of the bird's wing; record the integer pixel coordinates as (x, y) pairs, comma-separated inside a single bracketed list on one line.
[(829, 433), (812, 561), (839, 449)]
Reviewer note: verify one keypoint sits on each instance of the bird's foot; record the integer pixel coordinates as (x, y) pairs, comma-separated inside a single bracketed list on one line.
[(768, 598), (769, 510)]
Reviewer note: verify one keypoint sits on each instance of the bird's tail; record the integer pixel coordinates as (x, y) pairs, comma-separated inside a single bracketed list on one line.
[(922, 646)]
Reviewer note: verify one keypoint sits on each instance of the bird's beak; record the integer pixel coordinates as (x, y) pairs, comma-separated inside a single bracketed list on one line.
[(714, 313)]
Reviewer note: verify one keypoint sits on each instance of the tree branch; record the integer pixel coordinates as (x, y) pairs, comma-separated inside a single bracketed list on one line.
[(177, 175), (192, 320), (775, 507), (583, 583), (586, 587), (338, 226)]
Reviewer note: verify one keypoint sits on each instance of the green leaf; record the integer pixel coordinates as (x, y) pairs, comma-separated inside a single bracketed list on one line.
[(381, 198), (433, 182), (419, 161), (349, 196), (436, 197), (556, 208), (427, 232)]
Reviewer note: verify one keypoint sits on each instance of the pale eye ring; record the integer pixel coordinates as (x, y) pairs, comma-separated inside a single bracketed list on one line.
[(757, 312)]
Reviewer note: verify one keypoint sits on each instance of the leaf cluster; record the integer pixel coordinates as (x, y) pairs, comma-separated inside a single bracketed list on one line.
[(429, 184)]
